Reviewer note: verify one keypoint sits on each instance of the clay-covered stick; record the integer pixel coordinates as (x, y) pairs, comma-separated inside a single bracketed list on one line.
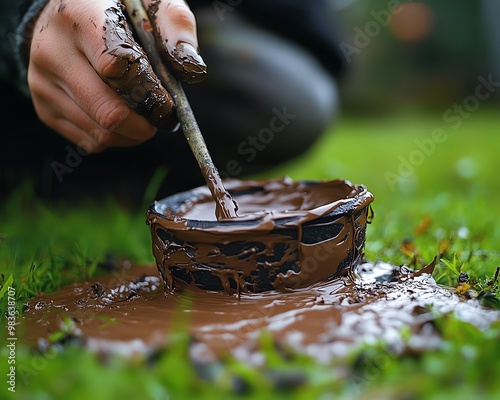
[(225, 206)]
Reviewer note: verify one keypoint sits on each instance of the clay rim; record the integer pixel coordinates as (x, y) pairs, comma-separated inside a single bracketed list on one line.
[(346, 205)]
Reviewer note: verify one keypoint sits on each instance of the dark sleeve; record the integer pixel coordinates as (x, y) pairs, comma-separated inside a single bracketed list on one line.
[(307, 23), (16, 25)]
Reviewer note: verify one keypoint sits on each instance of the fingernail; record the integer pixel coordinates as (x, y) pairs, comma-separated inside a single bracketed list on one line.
[(188, 57), (186, 52)]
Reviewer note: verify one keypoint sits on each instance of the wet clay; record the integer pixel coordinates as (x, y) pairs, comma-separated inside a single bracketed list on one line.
[(225, 206), (128, 312), (288, 234), (145, 30), (182, 57), (132, 76)]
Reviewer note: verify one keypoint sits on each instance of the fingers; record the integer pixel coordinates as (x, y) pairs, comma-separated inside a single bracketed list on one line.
[(122, 64), (125, 67), (175, 31), (89, 79), (82, 89), (104, 106), (61, 113)]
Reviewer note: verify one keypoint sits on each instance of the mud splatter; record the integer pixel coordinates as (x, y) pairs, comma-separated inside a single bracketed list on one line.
[(225, 206), (62, 7), (132, 76), (128, 312), (315, 231), (182, 57)]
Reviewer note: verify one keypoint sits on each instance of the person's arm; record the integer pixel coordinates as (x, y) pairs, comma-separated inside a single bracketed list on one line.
[(14, 30), (88, 78)]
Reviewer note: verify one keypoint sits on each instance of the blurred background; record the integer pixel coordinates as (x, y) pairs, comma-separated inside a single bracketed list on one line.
[(422, 55), (412, 71), (407, 64), (427, 70)]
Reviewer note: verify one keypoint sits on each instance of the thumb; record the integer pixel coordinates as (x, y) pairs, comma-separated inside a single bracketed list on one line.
[(174, 26)]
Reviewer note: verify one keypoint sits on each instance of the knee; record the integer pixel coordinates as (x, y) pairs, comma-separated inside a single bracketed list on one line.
[(314, 109), (265, 100)]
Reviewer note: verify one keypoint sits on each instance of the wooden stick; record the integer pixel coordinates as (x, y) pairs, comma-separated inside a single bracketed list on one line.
[(225, 206)]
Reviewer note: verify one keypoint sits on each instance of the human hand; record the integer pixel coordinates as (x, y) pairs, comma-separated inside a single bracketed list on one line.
[(90, 80)]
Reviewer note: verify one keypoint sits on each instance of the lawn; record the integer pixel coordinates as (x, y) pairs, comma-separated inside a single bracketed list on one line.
[(436, 192)]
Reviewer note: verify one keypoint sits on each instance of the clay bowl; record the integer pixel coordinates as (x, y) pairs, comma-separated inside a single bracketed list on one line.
[(288, 234)]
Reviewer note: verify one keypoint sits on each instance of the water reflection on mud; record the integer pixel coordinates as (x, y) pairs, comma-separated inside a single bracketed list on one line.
[(128, 312)]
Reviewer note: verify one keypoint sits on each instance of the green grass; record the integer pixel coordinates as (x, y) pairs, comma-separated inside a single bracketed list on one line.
[(448, 203)]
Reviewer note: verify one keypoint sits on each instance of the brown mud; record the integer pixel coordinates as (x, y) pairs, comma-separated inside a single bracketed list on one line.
[(182, 57), (129, 312), (133, 77), (225, 206), (288, 234), (148, 34)]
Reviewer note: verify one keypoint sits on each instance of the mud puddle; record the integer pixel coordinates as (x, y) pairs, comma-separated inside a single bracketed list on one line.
[(129, 312)]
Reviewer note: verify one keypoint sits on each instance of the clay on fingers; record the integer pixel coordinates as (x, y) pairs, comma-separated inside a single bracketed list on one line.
[(130, 74), (181, 57)]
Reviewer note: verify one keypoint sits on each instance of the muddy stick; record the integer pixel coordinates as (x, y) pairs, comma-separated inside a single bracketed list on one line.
[(225, 206)]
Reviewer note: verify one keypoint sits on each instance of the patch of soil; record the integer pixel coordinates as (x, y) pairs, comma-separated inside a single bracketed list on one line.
[(130, 312)]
